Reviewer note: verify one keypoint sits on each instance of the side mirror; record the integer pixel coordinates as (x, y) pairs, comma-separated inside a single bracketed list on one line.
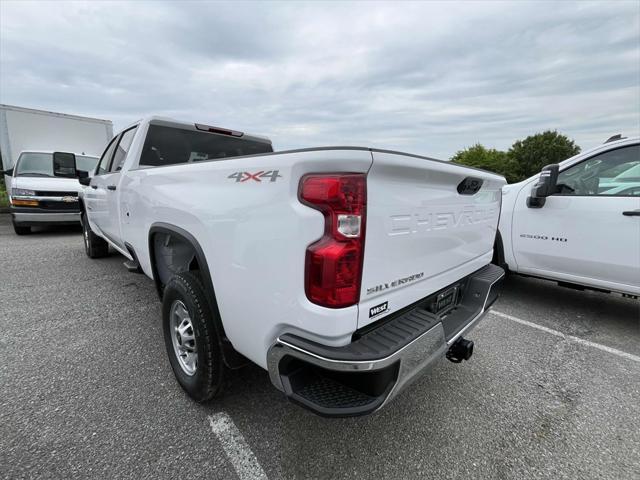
[(545, 186), (8, 172), (64, 165), (83, 178)]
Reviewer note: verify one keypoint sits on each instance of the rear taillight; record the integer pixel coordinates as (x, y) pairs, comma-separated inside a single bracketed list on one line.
[(333, 268)]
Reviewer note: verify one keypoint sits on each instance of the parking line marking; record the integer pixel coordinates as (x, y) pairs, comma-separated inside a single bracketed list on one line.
[(579, 340), (235, 446)]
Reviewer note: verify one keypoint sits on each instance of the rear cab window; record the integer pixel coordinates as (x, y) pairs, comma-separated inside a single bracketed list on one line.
[(168, 145)]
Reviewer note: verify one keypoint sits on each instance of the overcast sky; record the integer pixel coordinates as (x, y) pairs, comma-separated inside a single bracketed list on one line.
[(429, 78)]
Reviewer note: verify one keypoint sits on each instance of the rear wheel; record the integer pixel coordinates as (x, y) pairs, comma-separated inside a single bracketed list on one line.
[(21, 229), (94, 246), (191, 337)]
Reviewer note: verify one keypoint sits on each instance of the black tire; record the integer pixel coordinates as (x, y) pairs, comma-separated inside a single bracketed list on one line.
[(21, 229), (206, 382), (94, 246)]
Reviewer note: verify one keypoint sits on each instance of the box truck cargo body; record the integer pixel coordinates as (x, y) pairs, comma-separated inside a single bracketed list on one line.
[(26, 129), (28, 140)]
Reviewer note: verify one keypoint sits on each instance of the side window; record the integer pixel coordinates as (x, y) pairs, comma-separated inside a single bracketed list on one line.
[(616, 172), (122, 149), (103, 165)]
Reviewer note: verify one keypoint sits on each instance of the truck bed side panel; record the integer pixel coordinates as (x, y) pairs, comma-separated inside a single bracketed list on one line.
[(254, 235)]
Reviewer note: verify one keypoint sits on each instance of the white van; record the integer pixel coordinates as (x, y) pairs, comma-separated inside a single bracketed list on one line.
[(28, 138)]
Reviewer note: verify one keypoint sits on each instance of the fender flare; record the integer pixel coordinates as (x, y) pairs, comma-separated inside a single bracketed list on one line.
[(185, 236), (232, 358)]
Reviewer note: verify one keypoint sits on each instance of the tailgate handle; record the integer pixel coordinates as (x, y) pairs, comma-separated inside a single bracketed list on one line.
[(632, 213), (95, 187), (111, 187), (469, 186)]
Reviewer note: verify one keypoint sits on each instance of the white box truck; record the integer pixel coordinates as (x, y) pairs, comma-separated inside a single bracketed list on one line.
[(28, 139)]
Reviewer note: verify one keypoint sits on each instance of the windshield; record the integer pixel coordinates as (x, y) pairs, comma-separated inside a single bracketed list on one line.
[(33, 164)]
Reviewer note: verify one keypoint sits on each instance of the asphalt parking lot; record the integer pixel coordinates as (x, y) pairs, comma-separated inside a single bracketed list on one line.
[(87, 390)]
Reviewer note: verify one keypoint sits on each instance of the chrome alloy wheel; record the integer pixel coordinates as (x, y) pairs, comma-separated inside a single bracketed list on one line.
[(183, 338)]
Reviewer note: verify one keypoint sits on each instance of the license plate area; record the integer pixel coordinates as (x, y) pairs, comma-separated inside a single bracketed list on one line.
[(445, 300)]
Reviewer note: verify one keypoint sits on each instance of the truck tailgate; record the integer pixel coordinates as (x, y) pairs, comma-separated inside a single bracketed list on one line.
[(421, 233)]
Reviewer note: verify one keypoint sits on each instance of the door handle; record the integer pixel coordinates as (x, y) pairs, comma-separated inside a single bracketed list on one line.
[(631, 213), (95, 187), (111, 187)]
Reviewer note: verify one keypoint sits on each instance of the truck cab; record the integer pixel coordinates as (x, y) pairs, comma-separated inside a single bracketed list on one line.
[(39, 198), (578, 222)]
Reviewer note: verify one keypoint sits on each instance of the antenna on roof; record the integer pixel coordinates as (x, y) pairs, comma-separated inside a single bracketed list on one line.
[(615, 138)]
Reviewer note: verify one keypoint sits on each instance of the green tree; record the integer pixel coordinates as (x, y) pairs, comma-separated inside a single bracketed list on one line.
[(536, 151), (490, 159)]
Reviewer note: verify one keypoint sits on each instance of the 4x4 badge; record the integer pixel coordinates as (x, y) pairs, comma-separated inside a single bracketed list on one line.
[(258, 176)]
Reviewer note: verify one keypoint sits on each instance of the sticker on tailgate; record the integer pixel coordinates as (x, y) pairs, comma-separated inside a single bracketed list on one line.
[(378, 309)]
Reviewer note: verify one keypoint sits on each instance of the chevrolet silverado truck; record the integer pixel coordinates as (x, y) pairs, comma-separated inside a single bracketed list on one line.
[(578, 222), (344, 272)]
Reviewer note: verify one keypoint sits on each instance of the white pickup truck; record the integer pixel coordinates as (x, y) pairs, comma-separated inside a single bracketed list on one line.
[(342, 271), (578, 222)]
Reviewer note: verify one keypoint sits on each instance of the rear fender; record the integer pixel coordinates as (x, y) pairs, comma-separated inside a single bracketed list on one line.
[(193, 260)]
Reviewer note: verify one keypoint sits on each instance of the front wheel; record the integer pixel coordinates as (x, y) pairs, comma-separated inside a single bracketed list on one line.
[(94, 246), (191, 337)]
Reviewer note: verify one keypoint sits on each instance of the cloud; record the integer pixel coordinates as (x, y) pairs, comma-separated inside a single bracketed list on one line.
[(429, 78)]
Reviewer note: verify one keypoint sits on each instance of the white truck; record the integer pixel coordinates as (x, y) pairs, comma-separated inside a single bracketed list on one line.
[(578, 222), (343, 271), (28, 139)]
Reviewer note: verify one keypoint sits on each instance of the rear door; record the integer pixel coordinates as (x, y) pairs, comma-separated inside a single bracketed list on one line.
[(429, 224), (589, 232)]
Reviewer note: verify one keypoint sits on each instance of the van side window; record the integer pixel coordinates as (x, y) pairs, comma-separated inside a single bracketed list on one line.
[(616, 172), (103, 166), (122, 149)]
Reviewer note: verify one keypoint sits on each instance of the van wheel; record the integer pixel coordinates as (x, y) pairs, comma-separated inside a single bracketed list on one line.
[(21, 229), (191, 337), (94, 246)]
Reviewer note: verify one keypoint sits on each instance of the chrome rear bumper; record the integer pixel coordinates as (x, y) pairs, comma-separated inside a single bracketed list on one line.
[(363, 376)]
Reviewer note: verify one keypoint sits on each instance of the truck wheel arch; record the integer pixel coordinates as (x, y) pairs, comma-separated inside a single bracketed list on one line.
[(190, 256)]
